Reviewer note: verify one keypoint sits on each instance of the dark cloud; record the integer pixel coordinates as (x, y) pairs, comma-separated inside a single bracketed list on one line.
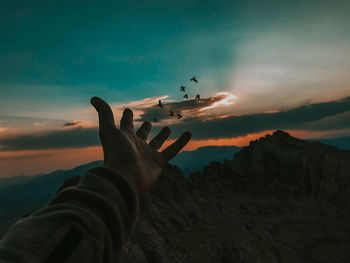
[(306, 117), (72, 138), (26, 156), (73, 123), (177, 107), (339, 121), (298, 118)]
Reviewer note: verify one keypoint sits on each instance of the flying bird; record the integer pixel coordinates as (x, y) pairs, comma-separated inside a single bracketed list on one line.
[(194, 79), (160, 104), (198, 96), (182, 88), (155, 120), (179, 116), (171, 114), (186, 96)]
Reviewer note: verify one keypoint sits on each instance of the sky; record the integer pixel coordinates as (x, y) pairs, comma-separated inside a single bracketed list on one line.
[(260, 65)]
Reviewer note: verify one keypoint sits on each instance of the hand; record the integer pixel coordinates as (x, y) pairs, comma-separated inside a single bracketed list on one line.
[(128, 153)]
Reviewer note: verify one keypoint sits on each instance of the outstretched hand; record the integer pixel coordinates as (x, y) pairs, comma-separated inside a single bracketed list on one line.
[(128, 153)]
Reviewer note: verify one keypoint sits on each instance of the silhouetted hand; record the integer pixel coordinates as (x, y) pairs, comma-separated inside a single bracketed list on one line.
[(128, 153)]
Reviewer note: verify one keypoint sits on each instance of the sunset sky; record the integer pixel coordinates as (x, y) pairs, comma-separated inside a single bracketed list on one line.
[(261, 66)]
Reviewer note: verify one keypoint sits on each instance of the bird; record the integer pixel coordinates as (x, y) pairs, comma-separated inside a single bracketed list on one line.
[(198, 96), (160, 104), (179, 116), (155, 120), (194, 79), (186, 96), (171, 114), (182, 88)]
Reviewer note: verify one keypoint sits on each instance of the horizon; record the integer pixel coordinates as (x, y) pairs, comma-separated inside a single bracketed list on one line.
[(260, 67), (331, 142)]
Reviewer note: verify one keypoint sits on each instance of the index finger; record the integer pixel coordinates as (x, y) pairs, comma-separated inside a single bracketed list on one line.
[(105, 114)]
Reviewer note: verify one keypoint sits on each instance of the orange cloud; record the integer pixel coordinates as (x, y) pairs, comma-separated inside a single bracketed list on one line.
[(235, 141), (46, 161), (227, 100), (241, 141), (140, 106)]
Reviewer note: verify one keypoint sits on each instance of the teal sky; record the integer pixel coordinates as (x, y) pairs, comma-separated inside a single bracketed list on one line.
[(273, 56), (55, 52)]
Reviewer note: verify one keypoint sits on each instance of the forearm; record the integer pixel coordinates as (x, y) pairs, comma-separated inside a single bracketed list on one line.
[(89, 222)]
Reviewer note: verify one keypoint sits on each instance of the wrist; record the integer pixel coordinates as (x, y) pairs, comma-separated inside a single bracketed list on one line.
[(127, 175)]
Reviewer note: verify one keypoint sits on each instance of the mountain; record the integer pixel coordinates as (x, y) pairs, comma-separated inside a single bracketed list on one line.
[(280, 199), (23, 194), (13, 180), (31, 193), (191, 161)]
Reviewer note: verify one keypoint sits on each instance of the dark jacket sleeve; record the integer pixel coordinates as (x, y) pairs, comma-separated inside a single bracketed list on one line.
[(89, 222)]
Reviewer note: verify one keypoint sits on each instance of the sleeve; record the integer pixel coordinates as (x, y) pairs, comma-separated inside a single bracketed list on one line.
[(89, 222)]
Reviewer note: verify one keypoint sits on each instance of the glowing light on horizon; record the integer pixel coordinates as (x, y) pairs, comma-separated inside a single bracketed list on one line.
[(39, 124), (272, 111), (145, 103), (225, 101)]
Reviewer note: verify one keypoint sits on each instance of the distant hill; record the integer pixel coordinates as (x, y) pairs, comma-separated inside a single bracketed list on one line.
[(13, 180), (21, 195), (191, 161), (24, 195), (341, 142)]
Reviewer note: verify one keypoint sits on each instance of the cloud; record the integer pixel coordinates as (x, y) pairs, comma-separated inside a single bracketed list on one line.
[(189, 108), (39, 124), (72, 138), (317, 117), (297, 118), (73, 123), (338, 121)]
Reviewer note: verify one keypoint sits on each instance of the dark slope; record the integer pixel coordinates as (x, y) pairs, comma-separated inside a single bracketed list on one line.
[(15, 180), (280, 200), (17, 200)]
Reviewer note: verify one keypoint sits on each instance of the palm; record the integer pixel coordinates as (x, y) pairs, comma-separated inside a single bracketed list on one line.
[(128, 153), (132, 151)]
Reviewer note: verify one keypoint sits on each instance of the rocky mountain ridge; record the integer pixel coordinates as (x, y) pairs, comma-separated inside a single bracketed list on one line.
[(280, 200)]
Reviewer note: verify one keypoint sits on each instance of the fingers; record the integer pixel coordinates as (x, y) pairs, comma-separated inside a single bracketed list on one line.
[(126, 122), (143, 131), (105, 114), (158, 141), (173, 149)]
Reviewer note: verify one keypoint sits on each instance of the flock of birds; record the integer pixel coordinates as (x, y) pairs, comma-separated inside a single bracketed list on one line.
[(182, 89)]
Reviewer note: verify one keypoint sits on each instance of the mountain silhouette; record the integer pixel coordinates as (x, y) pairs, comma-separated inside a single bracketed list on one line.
[(280, 199)]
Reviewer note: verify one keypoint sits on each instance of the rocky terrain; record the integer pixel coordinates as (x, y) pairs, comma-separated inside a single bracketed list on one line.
[(280, 200)]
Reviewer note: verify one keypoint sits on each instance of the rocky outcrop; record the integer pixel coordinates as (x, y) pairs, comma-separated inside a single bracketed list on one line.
[(280, 200), (283, 162)]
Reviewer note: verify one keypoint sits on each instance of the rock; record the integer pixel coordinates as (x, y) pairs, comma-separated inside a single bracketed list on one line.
[(281, 199)]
